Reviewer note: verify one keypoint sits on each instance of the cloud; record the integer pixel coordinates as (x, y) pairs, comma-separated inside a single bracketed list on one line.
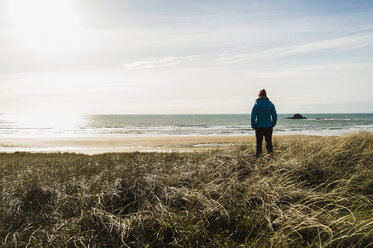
[(312, 71), (339, 43), (348, 42), (154, 62)]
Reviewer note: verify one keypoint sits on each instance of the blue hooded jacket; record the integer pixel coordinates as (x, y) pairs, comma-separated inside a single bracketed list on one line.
[(263, 113)]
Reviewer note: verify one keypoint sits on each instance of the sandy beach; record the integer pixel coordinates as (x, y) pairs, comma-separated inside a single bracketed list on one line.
[(97, 145)]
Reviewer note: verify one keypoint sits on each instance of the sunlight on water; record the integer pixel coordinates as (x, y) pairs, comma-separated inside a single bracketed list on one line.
[(52, 125), (44, 121)]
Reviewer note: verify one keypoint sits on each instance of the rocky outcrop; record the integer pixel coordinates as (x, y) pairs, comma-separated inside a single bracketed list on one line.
[(297, 117)]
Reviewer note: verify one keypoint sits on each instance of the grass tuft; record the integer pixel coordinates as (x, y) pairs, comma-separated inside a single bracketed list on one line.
[(315, 192)]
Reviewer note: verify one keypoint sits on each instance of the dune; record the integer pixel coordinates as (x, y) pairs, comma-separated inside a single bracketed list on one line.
[(313, 192)]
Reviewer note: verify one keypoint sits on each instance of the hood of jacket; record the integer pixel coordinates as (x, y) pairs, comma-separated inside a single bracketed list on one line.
[(262, 98)]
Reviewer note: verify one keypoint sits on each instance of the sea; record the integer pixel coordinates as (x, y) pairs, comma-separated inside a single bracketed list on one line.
[(64, 126)]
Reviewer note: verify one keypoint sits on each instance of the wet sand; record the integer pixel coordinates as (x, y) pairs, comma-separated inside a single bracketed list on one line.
[(96, 145)]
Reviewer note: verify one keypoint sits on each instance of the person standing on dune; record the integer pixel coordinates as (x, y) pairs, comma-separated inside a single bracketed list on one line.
[(263, 120)]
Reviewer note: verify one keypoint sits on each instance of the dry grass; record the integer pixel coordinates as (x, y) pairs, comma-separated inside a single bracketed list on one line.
[(311, 193)]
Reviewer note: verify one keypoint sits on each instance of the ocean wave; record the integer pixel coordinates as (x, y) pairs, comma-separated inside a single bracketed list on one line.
[(217, 125), (330, 119)]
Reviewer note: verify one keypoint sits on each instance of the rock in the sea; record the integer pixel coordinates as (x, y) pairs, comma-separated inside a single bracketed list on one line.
[(296, 116)]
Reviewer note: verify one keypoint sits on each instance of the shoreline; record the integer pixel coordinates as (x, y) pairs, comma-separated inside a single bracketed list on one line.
[(98, 145)]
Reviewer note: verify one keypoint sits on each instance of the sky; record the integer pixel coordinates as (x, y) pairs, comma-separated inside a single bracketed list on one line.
[(185, 56)]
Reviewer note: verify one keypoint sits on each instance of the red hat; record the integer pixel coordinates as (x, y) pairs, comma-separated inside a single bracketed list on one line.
[(263, 92)]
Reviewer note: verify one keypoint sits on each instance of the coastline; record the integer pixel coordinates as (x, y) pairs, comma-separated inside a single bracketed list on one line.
[(98, 145)]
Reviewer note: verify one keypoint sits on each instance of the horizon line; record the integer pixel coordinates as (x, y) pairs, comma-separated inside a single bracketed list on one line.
[(282, 113)]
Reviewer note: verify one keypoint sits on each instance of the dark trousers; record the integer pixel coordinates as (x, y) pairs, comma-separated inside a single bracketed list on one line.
[(267, 133)]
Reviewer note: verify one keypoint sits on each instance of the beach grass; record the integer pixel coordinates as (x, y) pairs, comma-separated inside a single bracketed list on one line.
[(314, 192)]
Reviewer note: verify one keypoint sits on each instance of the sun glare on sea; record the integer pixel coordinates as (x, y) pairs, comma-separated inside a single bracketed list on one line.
[(45, 120), (45, 26)]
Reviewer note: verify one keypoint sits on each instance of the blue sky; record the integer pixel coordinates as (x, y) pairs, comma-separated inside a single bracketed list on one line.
[(157, 56)]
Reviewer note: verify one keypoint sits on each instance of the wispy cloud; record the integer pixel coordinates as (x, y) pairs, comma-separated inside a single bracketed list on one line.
[(348, 42), (149, 63), (159, 62), (312, 71), (339, 43)]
